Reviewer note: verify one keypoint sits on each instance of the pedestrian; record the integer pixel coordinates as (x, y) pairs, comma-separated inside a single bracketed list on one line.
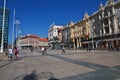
[(31, 49), (10, 53), (45, 50), (16, 52), (42, 50), (111, 48), (117, 47), (63, 49), (89, 48)]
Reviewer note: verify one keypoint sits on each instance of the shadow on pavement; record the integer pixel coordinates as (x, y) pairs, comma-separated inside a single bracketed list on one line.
[(33, 76), (117, 67), (46, 76), (95, 75), (52, 79)]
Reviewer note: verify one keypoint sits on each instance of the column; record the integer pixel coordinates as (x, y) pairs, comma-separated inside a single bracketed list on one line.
[(115, 24), (109, 23), (112, 42), (80, 42), (77, 43), (96, 44), (117, 43), (100, 32), (114, 20), (104, 29), (74, 43)]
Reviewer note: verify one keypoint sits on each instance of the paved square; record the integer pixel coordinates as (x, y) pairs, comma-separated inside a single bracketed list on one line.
[(73, 65)]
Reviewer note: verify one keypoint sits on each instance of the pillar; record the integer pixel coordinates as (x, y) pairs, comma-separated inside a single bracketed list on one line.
[(74, 43), (117, 43), (77, 43), (114, 20), (115, 24), (104, 29), (110, 31), (80, 42)]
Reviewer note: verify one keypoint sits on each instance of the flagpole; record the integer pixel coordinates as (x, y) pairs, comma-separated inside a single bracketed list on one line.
[(2, 40), (13, 28)]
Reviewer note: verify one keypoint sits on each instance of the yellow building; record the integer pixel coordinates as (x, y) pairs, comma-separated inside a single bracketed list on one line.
[(100, 30), (80, 32)]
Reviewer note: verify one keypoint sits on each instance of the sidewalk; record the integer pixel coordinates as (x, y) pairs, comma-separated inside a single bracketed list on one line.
[(76, 51), (3, 56), (81, 66)]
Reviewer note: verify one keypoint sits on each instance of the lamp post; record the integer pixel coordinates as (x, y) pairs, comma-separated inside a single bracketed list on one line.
[(92, 39), (18, 41), (2, 40), (92, 42), (13, 29), (17, 22)]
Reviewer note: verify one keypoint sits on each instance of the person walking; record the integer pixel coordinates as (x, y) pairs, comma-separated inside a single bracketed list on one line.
[(117, 47), (10, 53), (16, 52), (63, 49), (111, 48), (42, 50), (89, 48), (45, 50), (31, 49)]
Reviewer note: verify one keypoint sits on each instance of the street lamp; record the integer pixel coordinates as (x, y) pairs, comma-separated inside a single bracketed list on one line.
[(18, 41), (2, 40), (17, 22), (92, 38), (13, 29), (92, 42)]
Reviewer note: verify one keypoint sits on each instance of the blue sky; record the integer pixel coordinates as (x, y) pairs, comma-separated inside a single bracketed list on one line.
[(37, 15)]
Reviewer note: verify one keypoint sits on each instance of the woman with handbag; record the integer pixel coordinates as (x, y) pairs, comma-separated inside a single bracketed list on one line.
[(16, 52)]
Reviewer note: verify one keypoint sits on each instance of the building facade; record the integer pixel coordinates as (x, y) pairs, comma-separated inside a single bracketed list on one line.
[(43, 42), (66, 35), (105, 25), (53, 36), (6, 27), (80, 33), (30, 40), (60, 37), (99, 30)]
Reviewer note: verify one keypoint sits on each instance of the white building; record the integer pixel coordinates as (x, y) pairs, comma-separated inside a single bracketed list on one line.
[(105, 25), (53, 34)]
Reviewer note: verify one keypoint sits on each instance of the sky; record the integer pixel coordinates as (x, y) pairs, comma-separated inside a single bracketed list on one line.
[(37, 15)]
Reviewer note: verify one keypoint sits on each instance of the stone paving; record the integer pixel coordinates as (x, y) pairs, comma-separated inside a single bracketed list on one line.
[(72, 65)]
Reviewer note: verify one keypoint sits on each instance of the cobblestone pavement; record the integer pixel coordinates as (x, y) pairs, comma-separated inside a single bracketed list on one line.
[(72, 65)]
